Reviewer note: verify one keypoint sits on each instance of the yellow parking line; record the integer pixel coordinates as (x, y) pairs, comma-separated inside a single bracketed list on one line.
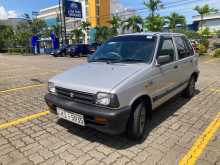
[(193, 154), (215, 90), (23, 119), (22, 88)]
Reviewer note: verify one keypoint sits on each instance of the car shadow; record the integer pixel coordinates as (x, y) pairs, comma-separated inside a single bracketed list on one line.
[(121, 142)]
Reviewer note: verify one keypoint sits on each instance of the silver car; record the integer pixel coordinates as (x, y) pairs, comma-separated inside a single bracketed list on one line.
[(124, 81)]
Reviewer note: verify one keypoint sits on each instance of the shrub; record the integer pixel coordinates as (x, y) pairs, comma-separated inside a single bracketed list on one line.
[(17, 50), (216, 53), (201, 49)]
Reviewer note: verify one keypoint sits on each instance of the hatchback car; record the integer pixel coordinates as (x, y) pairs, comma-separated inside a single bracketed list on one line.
[(127, 78)]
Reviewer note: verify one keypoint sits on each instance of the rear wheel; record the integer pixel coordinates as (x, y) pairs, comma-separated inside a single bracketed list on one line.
[(137, 122), (189, 92)]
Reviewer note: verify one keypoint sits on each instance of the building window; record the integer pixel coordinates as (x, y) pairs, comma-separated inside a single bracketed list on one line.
[(97, 11)]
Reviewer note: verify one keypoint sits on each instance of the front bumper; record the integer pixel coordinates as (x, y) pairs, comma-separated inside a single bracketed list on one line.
[(116, 119)]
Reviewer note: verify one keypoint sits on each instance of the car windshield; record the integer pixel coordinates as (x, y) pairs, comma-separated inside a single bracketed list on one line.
[(134, 48)]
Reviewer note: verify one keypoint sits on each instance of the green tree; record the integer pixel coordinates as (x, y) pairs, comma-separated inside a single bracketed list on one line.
[(23, 34), (154, 24), (153, 6), (102, 34), (133, 23), (85, 27), (6, 36), (175, 19), (76, 35), (204, 10), (56, 29), (115, 24), (38, 26)]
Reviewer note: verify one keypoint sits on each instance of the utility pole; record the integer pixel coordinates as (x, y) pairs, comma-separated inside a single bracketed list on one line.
[(64, 20), (61, 21)]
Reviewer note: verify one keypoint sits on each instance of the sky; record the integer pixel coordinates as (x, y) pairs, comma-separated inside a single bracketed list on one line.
[(15, 8)]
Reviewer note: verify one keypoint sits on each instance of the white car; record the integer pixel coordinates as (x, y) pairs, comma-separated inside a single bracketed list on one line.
[(124, 81)]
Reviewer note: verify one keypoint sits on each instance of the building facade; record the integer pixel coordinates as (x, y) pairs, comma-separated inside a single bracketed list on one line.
[(13, 22), (211, 21), (52, 16), (98, 12)]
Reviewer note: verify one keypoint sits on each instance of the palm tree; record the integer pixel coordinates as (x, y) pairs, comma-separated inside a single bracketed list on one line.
[(153, 6), (204, 10), (154, 24), (76, 35), (102, 34), (174, 19), (56, 29), (133, 23), (85, 27), (115, 24)]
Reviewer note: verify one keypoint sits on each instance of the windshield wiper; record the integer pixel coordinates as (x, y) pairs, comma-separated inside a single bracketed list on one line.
[(108, 60), (132, 60)]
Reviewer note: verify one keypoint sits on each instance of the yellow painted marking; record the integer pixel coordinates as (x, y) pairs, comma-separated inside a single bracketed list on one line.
[(23, 119), (215, 90), (200, 144), (22, 88)]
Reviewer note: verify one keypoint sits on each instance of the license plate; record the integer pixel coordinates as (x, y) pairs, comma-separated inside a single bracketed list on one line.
[(72, 117)]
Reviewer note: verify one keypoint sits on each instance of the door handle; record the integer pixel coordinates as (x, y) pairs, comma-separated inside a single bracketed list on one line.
[(175, 67)]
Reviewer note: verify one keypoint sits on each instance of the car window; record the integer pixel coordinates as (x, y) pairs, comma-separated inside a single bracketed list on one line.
[(167, 48), (183, 47), (189, 46)]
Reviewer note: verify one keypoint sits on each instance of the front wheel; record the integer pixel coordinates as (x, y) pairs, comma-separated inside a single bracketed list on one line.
[(137, 122), (189, 92)]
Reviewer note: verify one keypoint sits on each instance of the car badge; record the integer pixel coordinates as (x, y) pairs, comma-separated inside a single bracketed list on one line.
[(72, 95)]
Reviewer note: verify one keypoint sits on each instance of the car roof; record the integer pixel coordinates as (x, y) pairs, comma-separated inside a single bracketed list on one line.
[(154, 33)]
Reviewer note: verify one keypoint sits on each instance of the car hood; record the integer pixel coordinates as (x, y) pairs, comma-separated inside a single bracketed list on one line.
[(96, 77)]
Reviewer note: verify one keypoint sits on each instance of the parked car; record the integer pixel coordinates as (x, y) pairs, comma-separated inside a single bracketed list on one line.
[(124, 81), (78, 50), (93, 47), (60, 52)]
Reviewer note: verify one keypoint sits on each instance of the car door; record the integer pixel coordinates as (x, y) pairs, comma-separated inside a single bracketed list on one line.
[(185, 58), (165, 73)]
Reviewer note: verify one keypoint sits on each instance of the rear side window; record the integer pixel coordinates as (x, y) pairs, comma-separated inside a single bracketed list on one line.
[(184, 48), (190, 48)]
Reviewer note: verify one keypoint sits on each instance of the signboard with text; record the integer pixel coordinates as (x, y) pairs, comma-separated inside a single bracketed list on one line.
[(73, 9)]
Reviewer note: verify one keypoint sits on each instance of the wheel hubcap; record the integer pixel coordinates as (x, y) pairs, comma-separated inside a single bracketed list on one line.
[(142, 120), (192, 87)]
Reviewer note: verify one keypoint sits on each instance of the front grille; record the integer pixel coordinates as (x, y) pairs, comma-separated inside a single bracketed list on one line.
[(75, 95)]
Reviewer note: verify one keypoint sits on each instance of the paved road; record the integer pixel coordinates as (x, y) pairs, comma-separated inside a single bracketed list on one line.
[(45, 140)]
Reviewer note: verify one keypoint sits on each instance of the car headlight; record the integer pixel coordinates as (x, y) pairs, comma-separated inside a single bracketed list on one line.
[(107, 99), (51, 87)]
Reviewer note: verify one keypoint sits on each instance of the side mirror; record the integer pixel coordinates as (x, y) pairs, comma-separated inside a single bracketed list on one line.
[(163, 59)]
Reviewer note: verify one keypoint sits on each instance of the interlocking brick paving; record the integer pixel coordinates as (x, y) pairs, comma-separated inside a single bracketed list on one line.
[(46, 140)]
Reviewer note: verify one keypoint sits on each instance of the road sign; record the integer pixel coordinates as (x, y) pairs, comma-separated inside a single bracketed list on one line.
[(73, 9)]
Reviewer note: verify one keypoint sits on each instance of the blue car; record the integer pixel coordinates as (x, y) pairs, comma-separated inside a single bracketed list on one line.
[(78, 50)]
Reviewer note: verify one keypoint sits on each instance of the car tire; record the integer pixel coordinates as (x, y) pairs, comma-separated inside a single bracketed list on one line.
[(189, 92), (137, 122)]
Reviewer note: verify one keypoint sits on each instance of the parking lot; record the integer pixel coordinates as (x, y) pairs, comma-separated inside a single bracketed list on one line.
[(181, 131)]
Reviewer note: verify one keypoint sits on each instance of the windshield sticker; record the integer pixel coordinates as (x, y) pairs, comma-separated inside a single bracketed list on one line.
[(149, 37), (112, 43)]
